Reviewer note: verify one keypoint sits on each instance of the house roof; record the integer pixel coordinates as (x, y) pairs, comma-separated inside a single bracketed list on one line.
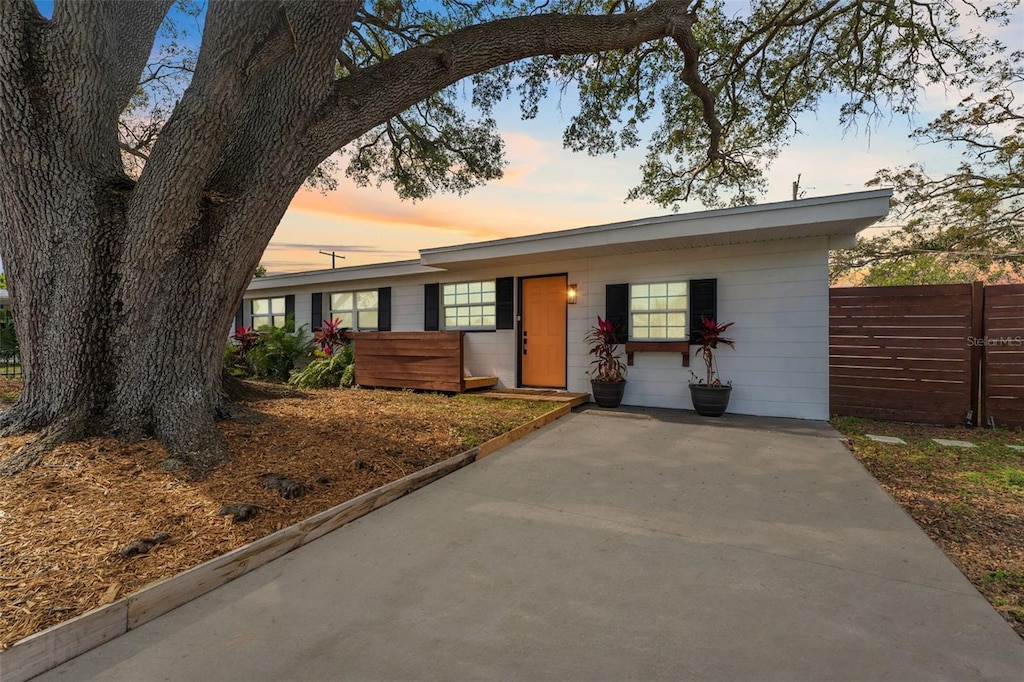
[(355, 272), (839, 217), (833, 216)]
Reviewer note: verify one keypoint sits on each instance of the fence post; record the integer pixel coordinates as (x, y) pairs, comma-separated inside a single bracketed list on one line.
[(977, 348)]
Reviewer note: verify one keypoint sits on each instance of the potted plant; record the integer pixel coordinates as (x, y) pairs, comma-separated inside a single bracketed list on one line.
[(607, 373), (710, 396)]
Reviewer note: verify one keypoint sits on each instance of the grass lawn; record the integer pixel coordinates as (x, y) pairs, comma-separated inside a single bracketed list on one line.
[(64, 523), (970, 501)]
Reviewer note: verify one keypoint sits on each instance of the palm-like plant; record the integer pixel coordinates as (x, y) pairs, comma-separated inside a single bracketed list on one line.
[(710, 335), (607, 365)]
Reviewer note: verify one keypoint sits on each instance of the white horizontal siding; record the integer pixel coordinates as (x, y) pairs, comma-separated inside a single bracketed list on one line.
[(775, 292)]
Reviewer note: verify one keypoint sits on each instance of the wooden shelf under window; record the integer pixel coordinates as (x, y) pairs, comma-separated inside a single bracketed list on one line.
[(658, 347)]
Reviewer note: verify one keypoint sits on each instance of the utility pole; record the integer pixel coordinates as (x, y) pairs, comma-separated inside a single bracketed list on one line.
[(796, 187), (334, 255)]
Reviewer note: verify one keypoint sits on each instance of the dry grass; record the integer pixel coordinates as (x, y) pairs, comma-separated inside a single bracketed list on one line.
[(64, 522), (969, 501)]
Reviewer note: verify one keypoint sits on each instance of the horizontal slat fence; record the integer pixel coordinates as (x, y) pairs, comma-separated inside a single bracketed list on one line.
[(430, 361), (901, 353), (1004, 354), (929, 354)]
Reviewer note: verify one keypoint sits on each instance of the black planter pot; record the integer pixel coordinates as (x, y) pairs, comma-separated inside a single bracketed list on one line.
[(607, 393), (710, 401)]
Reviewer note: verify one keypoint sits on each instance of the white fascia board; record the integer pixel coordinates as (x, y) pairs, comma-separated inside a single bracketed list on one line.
[(840, 215), (349, 274)]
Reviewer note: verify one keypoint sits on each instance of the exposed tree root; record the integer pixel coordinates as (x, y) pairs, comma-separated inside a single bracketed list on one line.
[(241, 390), (66, 429)]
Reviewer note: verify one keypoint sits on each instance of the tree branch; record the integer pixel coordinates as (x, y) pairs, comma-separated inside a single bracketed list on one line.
[(374, 95)]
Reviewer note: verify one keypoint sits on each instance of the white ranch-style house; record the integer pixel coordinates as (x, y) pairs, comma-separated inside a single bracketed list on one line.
[(526, 303)]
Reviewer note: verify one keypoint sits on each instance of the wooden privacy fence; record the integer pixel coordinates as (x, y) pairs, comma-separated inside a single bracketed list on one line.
[(431, 361), (930, 354)]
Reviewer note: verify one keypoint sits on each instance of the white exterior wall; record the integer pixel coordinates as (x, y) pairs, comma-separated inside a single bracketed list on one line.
[(776, 293)]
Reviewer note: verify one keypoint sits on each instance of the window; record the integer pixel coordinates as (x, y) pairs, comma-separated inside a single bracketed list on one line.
[(658, 311), (268, 312), (356, 310), (469, 305)]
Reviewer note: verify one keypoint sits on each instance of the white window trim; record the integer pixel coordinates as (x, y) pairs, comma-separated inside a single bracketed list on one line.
[(271, 314), (685, 312), (492, 305), (355, 309)]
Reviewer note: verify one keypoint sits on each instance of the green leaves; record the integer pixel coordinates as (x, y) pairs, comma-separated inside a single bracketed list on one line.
[(969, 223)]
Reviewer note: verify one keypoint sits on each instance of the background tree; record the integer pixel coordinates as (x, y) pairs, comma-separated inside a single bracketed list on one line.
[(968, 224), (147, 258)]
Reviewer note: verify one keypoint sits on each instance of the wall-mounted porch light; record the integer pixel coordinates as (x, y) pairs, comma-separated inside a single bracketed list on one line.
[(573, 291)]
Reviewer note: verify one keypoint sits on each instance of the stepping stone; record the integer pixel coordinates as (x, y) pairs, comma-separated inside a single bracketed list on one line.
[(887, 439), (954, 443), (1016, 447)]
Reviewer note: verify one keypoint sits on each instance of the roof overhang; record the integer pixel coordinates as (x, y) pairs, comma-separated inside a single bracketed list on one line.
[(840, 217), (332, 276)]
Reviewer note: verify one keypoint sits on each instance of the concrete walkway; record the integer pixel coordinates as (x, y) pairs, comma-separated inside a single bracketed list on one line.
[(608, 546)]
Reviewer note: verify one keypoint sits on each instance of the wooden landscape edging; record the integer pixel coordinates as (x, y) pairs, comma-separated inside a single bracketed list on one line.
[(520, 431), (44, 650)]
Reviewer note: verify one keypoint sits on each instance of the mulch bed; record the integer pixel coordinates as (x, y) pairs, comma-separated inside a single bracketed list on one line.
[(960, 497), (66, 525)]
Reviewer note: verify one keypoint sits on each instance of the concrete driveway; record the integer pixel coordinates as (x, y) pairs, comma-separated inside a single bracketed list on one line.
[(608, 546)]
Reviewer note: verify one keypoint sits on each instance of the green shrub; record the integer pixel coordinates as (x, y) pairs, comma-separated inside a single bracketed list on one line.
[(336, 369), (276, 353)]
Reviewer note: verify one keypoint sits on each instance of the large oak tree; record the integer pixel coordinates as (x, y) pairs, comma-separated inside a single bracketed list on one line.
[(124, 275)]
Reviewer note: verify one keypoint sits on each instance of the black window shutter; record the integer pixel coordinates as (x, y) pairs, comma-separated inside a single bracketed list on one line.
[(240, 315), (316, 311), (289, 312), (504, 292), (616, 309), (703, 302), (431, 304), (384, 309)]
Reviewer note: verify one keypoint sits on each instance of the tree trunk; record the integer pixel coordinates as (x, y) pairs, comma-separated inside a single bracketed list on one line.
[(123, 292)]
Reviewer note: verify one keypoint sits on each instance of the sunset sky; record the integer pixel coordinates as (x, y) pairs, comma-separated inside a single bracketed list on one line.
[(548, 188)]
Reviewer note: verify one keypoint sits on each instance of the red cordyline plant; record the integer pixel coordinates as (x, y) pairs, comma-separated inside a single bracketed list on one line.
[(247, 338), (606, 365), (331, 336), (710, 335)]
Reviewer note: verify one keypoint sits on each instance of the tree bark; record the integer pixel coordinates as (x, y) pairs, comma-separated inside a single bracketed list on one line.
[(123, 291)]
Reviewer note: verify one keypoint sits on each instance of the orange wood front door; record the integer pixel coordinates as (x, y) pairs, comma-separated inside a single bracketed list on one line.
[(543, 331)]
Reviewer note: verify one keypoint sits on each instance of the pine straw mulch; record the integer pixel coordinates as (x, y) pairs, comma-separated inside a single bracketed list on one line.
[(64, 522), (969, 501)]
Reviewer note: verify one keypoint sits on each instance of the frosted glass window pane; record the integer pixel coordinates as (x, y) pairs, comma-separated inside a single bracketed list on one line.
[(489, 321), (676, 319), (368, 320), (640, 333), (341, 301), (450, 321), (677, 303), (279, 321), (277, 305), (657, 332), (641, 320), (658, 290), (474, 298), (677, 332), (344, 319), (658, 303), (261, 306), (658, 320), (640, 304), (449, 299), (258, 322), (366, 300), (488, 286), (677, 289), (640, 291)]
